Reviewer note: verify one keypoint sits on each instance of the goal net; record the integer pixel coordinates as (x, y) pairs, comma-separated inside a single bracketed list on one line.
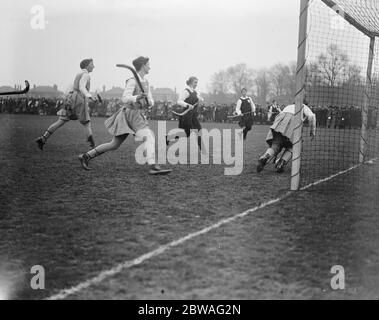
[(341, 85)]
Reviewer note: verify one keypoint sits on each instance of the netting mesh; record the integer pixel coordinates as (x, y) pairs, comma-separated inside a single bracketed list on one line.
[(364, 12), (338, 88)]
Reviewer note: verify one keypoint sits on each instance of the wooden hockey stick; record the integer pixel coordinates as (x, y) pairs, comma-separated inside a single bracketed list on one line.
[(135, 77), (186, 111), (27, 86), (240, 115)]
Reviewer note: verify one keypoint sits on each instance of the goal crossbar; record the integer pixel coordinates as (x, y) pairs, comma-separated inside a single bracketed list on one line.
[(370, 31)]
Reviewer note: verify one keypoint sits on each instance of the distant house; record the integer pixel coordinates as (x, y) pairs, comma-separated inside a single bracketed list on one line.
[(164, 94), (219, 98), (6, 89), (114, 93), (45, 92), (159, 94)]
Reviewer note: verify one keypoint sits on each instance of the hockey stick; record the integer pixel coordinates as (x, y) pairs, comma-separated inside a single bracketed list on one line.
[(240, 115), (27, 85), (185, 112), (135, 77)]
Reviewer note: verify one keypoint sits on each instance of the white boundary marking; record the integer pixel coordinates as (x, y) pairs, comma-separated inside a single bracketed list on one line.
[(62, 294)]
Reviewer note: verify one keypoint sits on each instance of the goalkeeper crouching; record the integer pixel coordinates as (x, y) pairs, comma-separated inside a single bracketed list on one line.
[(280, 137)]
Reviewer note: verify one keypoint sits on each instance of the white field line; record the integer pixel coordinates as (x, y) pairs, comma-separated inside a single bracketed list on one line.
[(62, 294)]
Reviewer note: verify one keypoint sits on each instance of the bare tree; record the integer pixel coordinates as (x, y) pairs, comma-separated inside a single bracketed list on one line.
[(240, 76), (220, 82), (280, 76), (353, 75), (332, 64), (291, 83), (263, 85)]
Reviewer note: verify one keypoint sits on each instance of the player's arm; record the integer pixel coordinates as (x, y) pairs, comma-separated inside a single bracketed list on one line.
[(238, 107), (311, 118), (127, 96), (82, 85), (150, 96), (269, 114), (183, 96), (253, 107)]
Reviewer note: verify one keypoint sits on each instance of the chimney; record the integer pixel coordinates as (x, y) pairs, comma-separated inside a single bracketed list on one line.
[(103, 88)]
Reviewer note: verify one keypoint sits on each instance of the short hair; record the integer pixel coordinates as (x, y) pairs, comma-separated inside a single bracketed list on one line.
[(191, 80), (243, 89), (85, 63), (139, 62)]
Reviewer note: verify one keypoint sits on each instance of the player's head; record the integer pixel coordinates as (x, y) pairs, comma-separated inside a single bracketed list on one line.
[(192, 82), (142, 64), (244, 92), (87, 64)]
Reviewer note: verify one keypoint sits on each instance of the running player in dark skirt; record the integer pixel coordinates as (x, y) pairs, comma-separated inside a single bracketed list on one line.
[(273, 111), (190, 99), (246, 108)]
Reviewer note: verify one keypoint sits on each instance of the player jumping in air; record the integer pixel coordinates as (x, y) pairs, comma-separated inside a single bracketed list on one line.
[(76, 106), (281, 136), (246, 109), (130, 119)]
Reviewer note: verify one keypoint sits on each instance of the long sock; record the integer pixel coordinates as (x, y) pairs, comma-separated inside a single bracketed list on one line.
[(245, 131), (269, 153), (93, 153), (46, 135), (287, 155), (91, 141)]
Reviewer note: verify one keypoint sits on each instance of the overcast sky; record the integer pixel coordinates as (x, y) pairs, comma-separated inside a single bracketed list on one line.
[(181, 37)]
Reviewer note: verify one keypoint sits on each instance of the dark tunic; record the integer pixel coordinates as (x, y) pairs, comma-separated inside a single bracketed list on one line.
[(190, 121), (247, 119)]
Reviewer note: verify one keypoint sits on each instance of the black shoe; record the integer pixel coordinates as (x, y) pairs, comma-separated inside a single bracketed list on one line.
[(280, 166), (84, 160), (157, 170), (40, 143), (91, 142), (261, 164)]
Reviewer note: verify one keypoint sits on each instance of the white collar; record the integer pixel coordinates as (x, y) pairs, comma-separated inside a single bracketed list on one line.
[(190, 89), (139, 76), (85, 70)]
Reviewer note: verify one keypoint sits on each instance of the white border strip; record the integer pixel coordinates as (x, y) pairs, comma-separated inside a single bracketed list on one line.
[(128, 264)]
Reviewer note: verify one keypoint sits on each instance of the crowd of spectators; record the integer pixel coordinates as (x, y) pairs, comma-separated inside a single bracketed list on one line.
[(160, 111), (327, 117), (344, 117)]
